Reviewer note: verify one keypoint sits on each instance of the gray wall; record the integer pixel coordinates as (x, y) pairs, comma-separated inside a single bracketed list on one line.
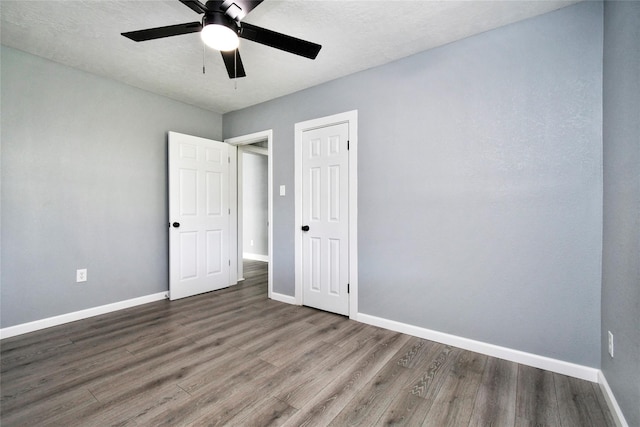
[(255, 204), (480, 184), (83, 186), (621, 241)]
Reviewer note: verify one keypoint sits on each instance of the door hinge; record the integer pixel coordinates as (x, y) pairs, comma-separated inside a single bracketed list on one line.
[(229, 160), (229, 262), (348, 288), (347, 144), (229, 211)]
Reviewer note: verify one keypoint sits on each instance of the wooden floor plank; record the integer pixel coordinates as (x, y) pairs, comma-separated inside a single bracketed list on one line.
[(155, 369), (275, 337), (265, 413), (300, 371), (156, 339), (454, 402), (14, 357), (345, 335), (288, 350), (271, 383), (495, 403), (321, 409), (411, 408), (209, 399), (299, 393), (226, 363), (377, 395), (40, 384), (234, 357), (580, 406), (56, 404), (127, 409), (536, 402), (250, 322)]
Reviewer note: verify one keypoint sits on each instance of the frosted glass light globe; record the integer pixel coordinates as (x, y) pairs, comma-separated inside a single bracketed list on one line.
[(219, 37)]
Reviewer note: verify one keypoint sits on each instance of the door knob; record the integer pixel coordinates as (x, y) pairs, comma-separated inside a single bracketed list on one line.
[(305, 228), (176, 224)]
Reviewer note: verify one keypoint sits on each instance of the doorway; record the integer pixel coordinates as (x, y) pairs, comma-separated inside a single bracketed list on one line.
[(252, 152), (252, 185)]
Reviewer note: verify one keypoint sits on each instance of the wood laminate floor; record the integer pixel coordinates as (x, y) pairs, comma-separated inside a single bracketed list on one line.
[(233, 357)]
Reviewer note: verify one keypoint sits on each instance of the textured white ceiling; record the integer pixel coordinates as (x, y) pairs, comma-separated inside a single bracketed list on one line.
[(355, 35)]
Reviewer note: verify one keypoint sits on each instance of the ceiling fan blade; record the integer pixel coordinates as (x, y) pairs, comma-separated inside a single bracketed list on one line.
[(279, 41), (233, 63), (241, 8), (194, 5), (160, 32)]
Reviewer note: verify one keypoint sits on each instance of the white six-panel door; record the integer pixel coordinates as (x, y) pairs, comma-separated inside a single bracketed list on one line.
[(198, 215), (325, 212)]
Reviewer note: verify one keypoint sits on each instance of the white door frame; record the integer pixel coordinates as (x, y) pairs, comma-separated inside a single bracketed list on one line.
[(236, 205), (241, 150), (350, 117)]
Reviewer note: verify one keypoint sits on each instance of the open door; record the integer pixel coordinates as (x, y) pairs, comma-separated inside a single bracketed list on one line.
[(199, 215)]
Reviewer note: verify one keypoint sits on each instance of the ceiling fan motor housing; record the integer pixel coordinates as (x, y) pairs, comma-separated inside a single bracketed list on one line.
[(219, 18)]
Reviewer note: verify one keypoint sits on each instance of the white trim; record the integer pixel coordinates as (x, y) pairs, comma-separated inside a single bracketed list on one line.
[(283, 298), (246, 140), (529, 359), (25, 328), (255, 257), (238, 212), (350, 117), (255, 150), (235, 273), (616, 412), (251, 138)]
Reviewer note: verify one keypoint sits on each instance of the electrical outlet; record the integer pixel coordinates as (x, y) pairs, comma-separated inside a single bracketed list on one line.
[(81, 275), (610, 343)]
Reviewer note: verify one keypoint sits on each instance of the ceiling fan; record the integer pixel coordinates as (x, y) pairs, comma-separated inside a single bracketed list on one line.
[(220, 28)]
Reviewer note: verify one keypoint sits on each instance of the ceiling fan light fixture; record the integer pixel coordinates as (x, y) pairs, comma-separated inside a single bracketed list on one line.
[(217, 33)]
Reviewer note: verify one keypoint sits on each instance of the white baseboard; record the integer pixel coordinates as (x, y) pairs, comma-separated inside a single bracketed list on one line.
[(616, 412), (529, 359), (255, 257), (24, 328), (282, 298)]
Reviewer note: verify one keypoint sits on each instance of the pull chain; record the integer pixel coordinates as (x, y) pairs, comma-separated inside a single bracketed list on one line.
[(203, 50)]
